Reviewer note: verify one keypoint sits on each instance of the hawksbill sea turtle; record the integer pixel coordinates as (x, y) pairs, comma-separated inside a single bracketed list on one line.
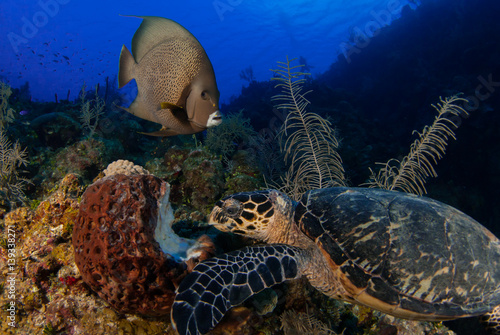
[(408, 256)]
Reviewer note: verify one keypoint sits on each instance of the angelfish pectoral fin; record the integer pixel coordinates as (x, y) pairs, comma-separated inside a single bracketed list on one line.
[(205, 295), (168, 105)]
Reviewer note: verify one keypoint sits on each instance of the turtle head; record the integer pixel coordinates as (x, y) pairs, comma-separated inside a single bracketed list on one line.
[(254, 214)]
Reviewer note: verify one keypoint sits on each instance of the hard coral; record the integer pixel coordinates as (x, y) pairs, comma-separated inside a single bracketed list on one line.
[(116, 246), (124, 167)]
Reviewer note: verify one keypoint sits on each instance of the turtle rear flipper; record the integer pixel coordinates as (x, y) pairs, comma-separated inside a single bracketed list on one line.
[(220, 283)]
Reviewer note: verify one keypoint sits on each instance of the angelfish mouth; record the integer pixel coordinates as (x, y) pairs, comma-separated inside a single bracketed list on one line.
[(214, 119)]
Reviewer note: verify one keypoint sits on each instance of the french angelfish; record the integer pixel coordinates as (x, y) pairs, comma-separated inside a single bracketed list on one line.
[(175, 79)]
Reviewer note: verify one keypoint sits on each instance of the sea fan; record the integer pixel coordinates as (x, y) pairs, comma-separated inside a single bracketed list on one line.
[(410, 174), (307, 139)]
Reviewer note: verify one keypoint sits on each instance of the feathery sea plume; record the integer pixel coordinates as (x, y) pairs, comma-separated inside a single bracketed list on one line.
[(410, 174), (307, 139), (12, 185)]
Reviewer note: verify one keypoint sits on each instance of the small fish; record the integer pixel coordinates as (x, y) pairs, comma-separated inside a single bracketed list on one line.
[(175, 80), (23, 112)]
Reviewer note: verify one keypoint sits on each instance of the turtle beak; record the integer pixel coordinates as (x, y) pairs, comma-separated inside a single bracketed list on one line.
[(216, 217), (220, 221)]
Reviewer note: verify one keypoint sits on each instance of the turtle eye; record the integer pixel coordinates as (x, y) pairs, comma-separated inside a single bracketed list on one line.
[(233, 209)]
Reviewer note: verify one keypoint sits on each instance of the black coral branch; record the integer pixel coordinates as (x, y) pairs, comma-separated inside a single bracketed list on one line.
[(308, 141), (410, 174)]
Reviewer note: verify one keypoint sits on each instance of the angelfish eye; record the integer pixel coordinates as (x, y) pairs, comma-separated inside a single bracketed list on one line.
[(204, 95)]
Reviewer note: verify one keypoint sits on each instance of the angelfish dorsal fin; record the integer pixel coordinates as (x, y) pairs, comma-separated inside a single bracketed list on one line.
[(153, 31)]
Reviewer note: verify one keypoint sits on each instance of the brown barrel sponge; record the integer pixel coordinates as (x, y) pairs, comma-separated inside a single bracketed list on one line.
[(115, 246)]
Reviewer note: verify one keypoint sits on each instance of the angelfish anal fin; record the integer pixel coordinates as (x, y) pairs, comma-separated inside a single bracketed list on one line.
[(163, 132)]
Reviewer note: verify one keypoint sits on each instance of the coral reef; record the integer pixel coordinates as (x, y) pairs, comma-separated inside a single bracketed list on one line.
[(53, 297), (85, 158), (56, 129), (196, 177), (43, 256), (50, 295), (225, 139), (243, 175), (121, 238), (204, 180)]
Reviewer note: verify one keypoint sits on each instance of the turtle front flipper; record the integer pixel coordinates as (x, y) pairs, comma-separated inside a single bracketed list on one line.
[(491, 321), (220, 283)]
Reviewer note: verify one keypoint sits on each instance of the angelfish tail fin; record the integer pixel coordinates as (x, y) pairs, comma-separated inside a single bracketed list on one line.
[(220, 283), (127, 64)]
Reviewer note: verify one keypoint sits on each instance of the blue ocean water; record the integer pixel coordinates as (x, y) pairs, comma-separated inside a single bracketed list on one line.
[(56, 45), (377, 67)]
